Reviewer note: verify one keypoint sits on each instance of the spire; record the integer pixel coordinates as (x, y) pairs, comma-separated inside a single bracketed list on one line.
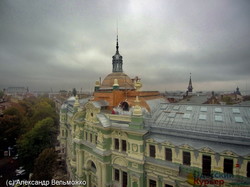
[(117, 59), (190, 87), (117, 45)]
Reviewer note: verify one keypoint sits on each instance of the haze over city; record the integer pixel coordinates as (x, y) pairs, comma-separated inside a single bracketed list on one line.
[(66, 44)]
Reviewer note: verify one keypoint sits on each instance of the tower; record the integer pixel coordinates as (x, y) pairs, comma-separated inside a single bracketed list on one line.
[(117, 59), (237, 91), (190, 87)]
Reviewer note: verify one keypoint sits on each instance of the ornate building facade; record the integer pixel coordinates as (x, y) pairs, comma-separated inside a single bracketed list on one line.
[(127, 137)]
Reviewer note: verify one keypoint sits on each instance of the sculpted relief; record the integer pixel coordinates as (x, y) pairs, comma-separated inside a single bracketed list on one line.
[(91, 112)]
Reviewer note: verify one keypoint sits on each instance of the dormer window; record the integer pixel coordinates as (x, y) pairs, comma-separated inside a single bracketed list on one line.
[(186, 158), (228, 166)]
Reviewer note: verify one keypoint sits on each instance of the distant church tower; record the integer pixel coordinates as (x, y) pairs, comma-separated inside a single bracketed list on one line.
[(117, 59), (190, 87), (237, 91)]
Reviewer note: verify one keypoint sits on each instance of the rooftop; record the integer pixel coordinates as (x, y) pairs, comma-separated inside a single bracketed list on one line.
[(195, 99), (227, 123)]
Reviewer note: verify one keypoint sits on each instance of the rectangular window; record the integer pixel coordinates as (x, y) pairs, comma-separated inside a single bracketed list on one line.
[(95, 139), (206, 165), (228, 166), (116, 144), (86, 136), (168, 154), (248, 169), (90, 137), (152, 151), (124, 179), (117, 175), (124, 145), (186, 158), (167, 185), (62, 132), (152, 183)]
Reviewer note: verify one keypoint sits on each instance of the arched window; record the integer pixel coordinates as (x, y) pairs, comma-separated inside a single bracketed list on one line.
[(93, 167)]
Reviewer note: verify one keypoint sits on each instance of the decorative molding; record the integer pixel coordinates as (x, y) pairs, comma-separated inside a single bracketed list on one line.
[(151, 140), (162, 170), (120, 161), (134, 148), (100, 137), (229, 153), (91, 112), (177, 150), (207, 150), (240, 161), (186, 146), (134, 179), (196, 154), (247, 157), (119, 134), (168, 144), (134, 165)]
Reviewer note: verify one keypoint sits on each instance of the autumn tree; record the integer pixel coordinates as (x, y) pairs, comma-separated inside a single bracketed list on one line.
[(33, 123), (38, 109), (42, 110), (44, 166), (34, 141), (10, 126)]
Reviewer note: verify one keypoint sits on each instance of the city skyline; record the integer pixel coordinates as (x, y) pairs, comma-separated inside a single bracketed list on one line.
[(62, 45)]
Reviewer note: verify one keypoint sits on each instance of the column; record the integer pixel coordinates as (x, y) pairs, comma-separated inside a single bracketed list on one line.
[(103, 174), (88, 179), (120, 177), (80, 163), (120, 145), (77, 162)]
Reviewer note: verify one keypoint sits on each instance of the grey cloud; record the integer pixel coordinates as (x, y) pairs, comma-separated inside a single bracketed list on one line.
[(59, 44)]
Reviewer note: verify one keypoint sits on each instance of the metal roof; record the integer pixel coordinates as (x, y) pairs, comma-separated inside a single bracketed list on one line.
[(68, 105), (219, 147), (154, 104), (208, 120), (100, 103), (105, 122)]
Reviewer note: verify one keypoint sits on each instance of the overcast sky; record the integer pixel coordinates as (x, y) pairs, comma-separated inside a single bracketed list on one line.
[(62, 44)]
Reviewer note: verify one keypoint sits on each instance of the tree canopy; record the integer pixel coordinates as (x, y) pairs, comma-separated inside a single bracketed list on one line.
[(31, 124), (10, 126), (34, 141), (44, 165)]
